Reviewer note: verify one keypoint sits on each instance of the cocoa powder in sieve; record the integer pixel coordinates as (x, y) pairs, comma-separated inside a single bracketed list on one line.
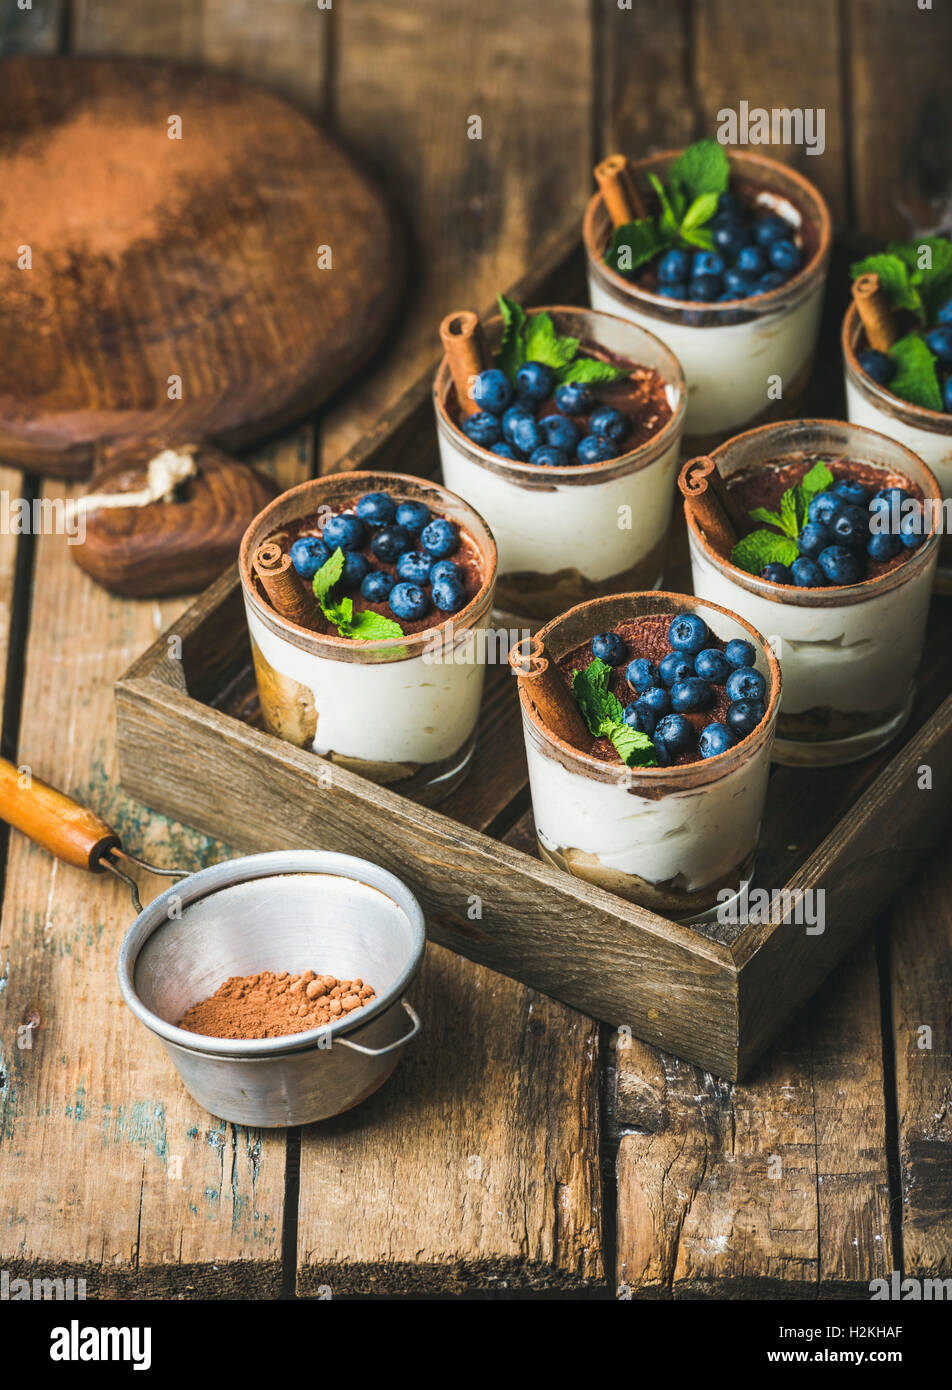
[(268, 1005)]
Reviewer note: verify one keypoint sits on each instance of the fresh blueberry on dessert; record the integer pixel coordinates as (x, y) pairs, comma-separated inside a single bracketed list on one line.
[(413, 516), (704, 241), (308, 553), (815, 524), (376, 508), (348, 532), (690, 703), (492, 391)]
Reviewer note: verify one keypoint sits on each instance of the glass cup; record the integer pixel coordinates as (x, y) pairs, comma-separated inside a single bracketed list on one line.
[(849, 653), (574, 533), (400, 711), (928, 433), (734, 351), (677, 840)]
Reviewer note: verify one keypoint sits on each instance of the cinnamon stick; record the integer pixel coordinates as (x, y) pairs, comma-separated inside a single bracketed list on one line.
[(282, 583), (876, 314), (618, 190), (551, 699), (706, 499), (462, 337)]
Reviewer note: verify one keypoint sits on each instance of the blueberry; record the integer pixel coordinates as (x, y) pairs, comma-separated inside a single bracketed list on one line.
[(883, 546), (704, 288), (691, 695), (947, 395), (356, 568), (413, 516), (740, 652), (492, 391), (770, 228), (743, 716), (548, 456), (771, 281), (736, 284), (706, 263), (776, 573), (656, 698), (850, 491), (675, 667), (511, 417), (876, 364), (414, 567), (535, 381), (729, 203), (376, 586), (574, 398), (911, 532), (678, 289), (945, 313), (824, 508), (746, 684), (608, 646), (560, 433), (674, 267), (390, 543), (504, 450), (483, 429), (675, 732), (851, 526), (445, 569), (712, 665), (409, 601), (813, 538), (940, 341), (440, 538), (641, 717), (841, 565), (753, 261), (448, 594), (376, 508), (888, 498), (308, 553), (730, 238), (642, 674), (806, 573), (714, 739), (348, 532), (784, 256), (610, 423), (525, 433), (595, 448), (688, 633)]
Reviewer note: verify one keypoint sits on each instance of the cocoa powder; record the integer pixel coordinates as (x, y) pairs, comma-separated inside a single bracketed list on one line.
[(269, 1005)]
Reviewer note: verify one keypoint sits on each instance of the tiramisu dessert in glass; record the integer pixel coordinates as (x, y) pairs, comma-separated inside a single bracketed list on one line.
[(648, 721), (724, 257), (822, 534), (562, 427), (897, 351), (365, 594)]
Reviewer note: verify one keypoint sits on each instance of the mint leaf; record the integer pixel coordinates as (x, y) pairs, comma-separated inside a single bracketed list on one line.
[(915, 379), (771, 518), (632, 746), (590, 688), (761, 548), (699, 237), (371, 627), (512, 352), (592, 370), (934, 281), (895, 278), (633, 244), (701, 210), (544, 345), (668, 218), (701, 168), (817, 479), (328, 575)]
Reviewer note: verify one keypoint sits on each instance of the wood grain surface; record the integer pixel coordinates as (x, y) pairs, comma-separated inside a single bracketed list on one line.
[(175, 285)]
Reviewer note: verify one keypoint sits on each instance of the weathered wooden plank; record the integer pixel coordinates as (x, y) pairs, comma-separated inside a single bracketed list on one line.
[(109, 1170), (644, 95), (34, 29), (920, 970), (283, 44), (902, 109), (409, 81), (774, 1188)]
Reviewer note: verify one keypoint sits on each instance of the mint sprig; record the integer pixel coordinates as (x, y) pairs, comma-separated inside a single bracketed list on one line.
[(915, 379), (762, 547), (915, 275), (605, 716), (366, 626), (686, 202), (535, 339)]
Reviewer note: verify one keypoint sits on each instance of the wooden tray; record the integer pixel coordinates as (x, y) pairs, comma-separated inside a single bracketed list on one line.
[(189, 746)]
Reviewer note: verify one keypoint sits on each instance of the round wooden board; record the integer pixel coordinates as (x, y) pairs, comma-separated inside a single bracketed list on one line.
[(174, 286)]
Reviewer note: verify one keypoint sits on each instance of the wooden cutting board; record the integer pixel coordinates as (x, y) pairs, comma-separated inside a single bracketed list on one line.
[(212, 286)]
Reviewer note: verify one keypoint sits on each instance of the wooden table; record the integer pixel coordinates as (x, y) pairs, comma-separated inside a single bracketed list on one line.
[(521, 1145)]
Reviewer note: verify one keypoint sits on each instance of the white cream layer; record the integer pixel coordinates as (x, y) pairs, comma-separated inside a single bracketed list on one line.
[(858, 657), (729, 367), (599, 529), (412, 710)]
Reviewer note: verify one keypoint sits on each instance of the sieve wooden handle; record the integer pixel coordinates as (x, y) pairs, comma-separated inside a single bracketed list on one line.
[(54, 820)]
